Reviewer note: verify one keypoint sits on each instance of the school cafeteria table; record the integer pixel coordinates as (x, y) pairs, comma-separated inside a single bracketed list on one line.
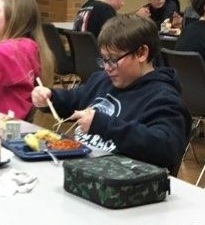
[(63, 25), (50, 204)]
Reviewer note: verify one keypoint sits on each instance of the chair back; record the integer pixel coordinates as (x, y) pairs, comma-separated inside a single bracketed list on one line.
[(191, 69), (84, 47), (64, 62), (167, 41)]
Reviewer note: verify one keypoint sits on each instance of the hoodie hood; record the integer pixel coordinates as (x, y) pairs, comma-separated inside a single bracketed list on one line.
[(161, 75)]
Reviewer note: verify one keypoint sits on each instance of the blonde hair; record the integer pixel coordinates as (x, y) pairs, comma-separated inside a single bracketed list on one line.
[(22, 19)]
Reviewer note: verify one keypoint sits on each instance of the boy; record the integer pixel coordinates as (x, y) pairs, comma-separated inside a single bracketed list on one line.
[(130, 108)]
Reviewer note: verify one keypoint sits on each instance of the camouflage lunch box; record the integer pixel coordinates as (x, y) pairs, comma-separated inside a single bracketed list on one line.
[(116, 181)]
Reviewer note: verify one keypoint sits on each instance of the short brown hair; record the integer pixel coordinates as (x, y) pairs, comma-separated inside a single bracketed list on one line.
[(127, 32)]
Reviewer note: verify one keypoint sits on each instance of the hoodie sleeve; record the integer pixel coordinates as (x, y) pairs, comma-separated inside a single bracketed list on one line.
[(65, 101)]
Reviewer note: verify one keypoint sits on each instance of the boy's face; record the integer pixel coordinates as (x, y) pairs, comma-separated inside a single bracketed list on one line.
[(126, 70), (157, 3)]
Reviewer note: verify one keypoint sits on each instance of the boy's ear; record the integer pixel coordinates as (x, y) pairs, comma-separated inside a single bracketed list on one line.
[(143, 53)]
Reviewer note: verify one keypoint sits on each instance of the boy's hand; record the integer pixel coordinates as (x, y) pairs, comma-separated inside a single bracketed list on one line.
[(84, 118), (39, 96)]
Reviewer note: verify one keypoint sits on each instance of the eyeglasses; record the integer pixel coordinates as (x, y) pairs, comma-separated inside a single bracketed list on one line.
[(113, 62)]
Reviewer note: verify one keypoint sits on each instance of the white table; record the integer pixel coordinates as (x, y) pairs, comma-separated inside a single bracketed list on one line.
[(49, 204), (63, 25)]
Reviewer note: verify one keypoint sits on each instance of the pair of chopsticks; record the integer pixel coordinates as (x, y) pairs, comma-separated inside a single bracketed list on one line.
[(59, 123), (71, 127), (75, 124), (55, 115)]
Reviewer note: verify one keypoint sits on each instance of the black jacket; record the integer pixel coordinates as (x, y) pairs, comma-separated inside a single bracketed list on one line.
[(192, 38), (92, 16)]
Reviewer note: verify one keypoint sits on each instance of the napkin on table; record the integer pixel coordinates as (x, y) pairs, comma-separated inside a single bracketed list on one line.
[(15, 181)]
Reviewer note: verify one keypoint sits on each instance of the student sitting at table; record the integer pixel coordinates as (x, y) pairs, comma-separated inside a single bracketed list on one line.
[(129, 108), (161, 10), (189, 16), (192, 37), (94, 13), (24, 55)]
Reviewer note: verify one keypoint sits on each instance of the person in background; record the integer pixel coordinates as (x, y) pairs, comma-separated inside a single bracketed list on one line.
[(94, 13), (130, 108), (189, 16), (160, 10), (192, 37), (24, 55)]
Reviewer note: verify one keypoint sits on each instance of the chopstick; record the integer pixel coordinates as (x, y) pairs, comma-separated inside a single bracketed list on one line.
[(58, 124), (71, 128), (53, 111), (63, 121), (75, 124)]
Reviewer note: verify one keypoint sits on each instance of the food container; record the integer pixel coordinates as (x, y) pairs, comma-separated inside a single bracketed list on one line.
[(12, 130)]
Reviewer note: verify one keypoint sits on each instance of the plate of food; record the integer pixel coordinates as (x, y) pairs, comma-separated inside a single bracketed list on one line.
[(173, 32), (28, 146), (167, 29)]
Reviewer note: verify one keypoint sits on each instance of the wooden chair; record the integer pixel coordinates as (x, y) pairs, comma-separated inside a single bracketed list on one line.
[(191, 70)]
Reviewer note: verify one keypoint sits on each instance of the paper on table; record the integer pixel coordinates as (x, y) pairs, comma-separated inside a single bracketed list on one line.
[(15, 181)]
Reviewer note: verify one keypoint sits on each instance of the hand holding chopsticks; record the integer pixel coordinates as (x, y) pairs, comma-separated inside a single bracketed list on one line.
[(83, 118), (55, 115)]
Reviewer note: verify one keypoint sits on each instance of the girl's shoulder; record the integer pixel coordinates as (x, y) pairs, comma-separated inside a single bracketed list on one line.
[(17, 41), (18, 44)]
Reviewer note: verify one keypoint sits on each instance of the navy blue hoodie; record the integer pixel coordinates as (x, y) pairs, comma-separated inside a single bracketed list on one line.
[(147, 121)]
